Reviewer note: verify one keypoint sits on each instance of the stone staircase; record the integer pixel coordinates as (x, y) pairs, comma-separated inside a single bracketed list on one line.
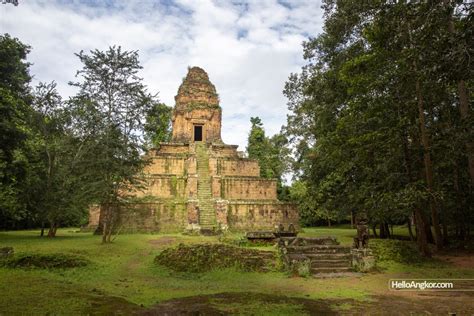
[(207, 213), (321, 256)]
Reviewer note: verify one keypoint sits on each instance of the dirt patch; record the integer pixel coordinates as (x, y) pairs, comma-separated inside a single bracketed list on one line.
[(163, 241), (206, 257), (252, 303), (238, 303), (45, 261), (434, 303), (461, 260), (111, 305)]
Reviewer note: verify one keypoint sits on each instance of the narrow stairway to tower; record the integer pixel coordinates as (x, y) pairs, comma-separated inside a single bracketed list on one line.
[(207, 213)]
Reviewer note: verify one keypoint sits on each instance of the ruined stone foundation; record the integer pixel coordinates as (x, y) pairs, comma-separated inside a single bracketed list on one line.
[(197, 182)]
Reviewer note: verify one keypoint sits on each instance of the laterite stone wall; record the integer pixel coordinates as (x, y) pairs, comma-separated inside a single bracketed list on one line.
[(242, 188), (166, 165), (261, 216), (238, 167)]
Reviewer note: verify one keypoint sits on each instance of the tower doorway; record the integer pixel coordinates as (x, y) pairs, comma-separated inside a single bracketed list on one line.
[(198, 133)]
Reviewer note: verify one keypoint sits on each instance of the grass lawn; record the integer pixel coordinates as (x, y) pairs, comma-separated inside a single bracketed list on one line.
[(122, 279)]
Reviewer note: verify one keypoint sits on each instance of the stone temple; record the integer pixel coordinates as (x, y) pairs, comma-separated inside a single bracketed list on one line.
[(196, 182)]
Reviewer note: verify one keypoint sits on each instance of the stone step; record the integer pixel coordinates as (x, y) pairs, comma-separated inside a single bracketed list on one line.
[(329, 256), (305, 241), (331, 264), (314, 249), (320, 257), (207, 213), (207, 224), (330, 270)]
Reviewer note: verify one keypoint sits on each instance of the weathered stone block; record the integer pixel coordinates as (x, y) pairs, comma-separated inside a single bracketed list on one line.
[(248, 188), (362, 259)]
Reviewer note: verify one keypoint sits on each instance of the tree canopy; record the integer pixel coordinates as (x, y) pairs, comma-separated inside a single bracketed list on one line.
[(379, 118)]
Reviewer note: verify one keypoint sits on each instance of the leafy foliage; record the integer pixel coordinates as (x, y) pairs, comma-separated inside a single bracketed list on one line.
[(14, 129), (377, 117), (158, 124), (395, 250), (108, 117), (272, 154)]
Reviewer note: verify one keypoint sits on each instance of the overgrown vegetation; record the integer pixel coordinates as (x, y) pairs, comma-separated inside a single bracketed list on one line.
[(44, 261), (395, 250), (123, 275), (207, 257)]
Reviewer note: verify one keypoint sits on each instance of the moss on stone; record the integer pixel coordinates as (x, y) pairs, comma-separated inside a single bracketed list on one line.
[(206, 257)]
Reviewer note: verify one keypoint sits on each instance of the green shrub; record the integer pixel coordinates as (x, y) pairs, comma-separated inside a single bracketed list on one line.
[(395, 250)]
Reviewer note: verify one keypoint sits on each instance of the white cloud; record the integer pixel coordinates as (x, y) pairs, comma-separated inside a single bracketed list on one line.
[(248, 49)]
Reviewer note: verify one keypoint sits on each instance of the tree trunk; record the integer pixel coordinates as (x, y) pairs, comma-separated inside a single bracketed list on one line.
[(52, 230), (428, 165), (464, 109), (421, 237), (109, 223), (374, 230), (42, 229), (410, 231), (415, 224), (104, 232), (106, 222), (383, 231), (445, 232), (109, 235), (352, 219), (329, 222), (465, 114)]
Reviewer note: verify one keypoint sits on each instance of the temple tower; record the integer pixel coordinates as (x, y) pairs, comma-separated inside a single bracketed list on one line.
[(196, 181), (197, 114)]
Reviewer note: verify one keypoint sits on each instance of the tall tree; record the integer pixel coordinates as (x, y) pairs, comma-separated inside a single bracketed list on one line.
[(14, 128), (109, 113), (372, 111), (158, 124), (272, 154), (257, 147), (58, 191)]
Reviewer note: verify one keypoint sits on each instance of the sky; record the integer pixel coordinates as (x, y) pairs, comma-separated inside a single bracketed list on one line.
[(248, 48)]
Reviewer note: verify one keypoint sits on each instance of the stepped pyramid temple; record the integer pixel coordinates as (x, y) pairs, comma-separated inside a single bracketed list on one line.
[(196, 182)]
